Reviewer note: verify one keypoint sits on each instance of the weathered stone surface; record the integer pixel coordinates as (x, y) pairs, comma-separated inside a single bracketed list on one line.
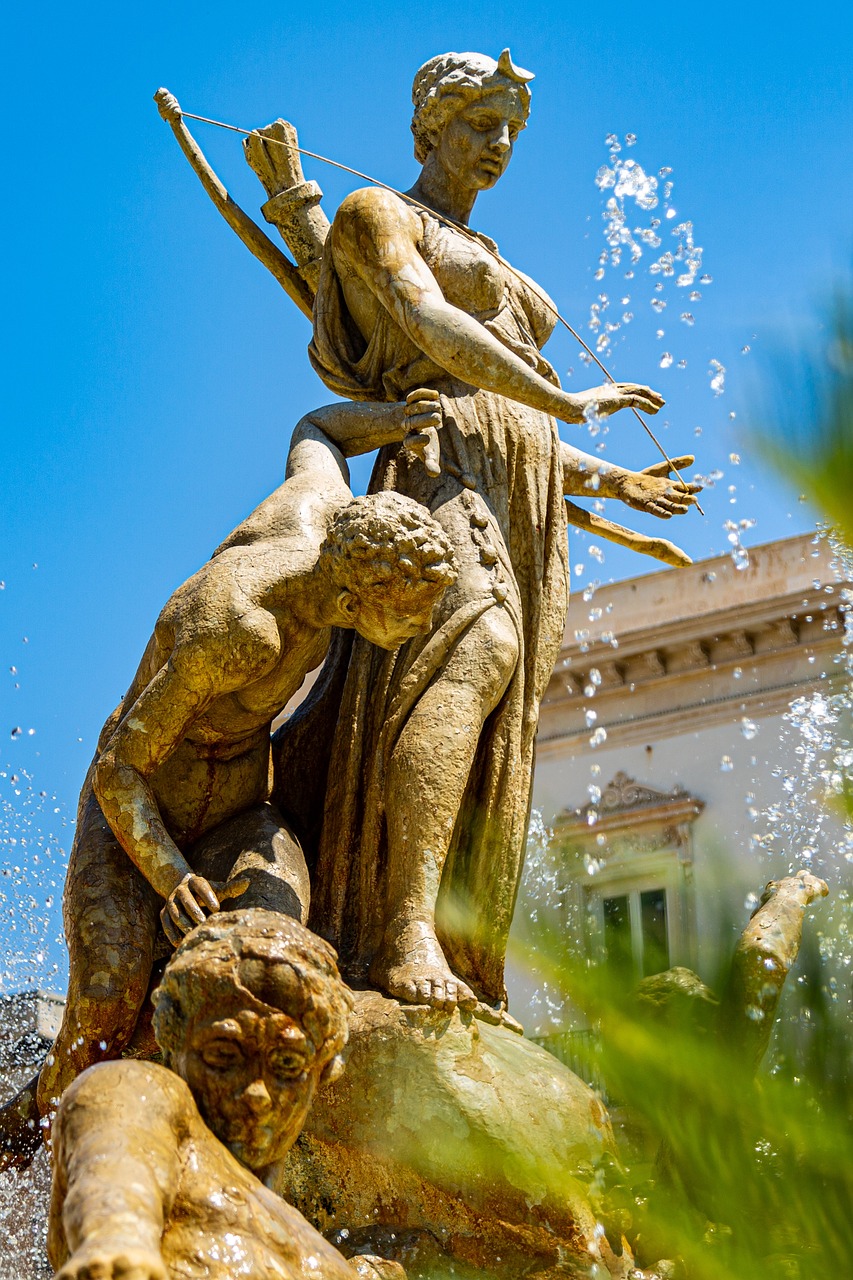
[(449, 1136), (158, 1172)]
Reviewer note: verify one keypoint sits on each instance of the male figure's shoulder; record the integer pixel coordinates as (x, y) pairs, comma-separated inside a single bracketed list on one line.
[(219, 622)]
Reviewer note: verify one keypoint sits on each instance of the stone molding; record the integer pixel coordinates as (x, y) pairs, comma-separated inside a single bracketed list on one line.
[(701, 664), (653, 819)]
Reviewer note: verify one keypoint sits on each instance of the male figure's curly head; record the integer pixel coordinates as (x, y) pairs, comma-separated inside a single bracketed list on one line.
[(236, 951), (446, 83), (386, 542)]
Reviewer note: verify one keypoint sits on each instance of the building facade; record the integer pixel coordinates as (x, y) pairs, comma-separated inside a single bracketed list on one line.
[(682, 745)]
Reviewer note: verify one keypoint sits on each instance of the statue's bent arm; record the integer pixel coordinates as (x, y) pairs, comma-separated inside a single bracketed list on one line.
[(117, 1169), (377, 237), (326, 437), (152, 729)]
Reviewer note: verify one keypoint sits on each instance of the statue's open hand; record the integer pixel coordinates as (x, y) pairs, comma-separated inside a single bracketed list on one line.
[(654, 491), (270, 152), (614, 396), (423, 420), (94, 1262)]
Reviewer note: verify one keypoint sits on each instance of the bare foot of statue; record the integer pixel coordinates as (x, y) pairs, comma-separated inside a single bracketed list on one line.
[(411, 967)]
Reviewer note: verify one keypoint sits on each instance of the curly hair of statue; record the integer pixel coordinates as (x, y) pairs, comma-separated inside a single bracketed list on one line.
[(450, 80), (391, 539), (221, 957)]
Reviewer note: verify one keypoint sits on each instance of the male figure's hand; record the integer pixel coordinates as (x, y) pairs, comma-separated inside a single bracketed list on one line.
[(424, 420), (193, 900)]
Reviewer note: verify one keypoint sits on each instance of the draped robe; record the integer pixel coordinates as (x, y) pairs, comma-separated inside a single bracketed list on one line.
[(500, 500)]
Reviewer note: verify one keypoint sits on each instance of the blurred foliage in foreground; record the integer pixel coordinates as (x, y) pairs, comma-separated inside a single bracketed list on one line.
[(753, 1175), (806, 429)]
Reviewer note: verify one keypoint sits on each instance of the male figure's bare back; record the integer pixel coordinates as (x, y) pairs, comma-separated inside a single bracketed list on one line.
[(174, 816)]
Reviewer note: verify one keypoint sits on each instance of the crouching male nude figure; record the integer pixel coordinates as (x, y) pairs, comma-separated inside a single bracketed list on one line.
[(158, 1174), (174, 815)]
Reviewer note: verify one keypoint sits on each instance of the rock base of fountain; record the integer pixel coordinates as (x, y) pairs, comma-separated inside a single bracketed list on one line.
[(449, 1139)]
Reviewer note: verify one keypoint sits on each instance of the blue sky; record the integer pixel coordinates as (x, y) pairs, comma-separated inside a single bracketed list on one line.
[(154, 371)]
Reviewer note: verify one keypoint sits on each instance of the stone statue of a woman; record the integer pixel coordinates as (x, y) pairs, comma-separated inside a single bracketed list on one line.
[(429, 778)]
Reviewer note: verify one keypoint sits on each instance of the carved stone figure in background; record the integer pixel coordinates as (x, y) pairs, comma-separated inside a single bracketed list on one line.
[(426, 807), (177, 796), (251, 1017)]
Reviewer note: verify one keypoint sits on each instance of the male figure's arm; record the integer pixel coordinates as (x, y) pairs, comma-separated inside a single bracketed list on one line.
[(325, 437), (203, 666), (116, 1168)]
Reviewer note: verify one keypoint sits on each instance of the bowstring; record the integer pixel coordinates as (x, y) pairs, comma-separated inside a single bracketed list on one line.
[(466, 231)]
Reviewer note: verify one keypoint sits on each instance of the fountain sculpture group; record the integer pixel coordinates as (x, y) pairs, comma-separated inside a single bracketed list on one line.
[(385, 819)]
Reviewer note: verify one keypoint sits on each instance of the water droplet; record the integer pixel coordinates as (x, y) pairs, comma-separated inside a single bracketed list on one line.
[(745, 350), (599, 737), (630, 139), (734, 458), (687, 318), (666, 360), (706, 279), (16, 732), (726, 764), (748, 728)]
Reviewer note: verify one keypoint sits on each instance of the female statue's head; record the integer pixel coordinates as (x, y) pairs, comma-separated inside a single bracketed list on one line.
[(469, 110)]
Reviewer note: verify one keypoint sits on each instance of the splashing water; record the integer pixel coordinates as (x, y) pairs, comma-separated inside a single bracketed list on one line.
[(630, 238), (550, 903), (32, 870), (806, 825)]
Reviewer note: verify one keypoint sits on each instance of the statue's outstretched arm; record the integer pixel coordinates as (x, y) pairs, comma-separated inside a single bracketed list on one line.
[(651, 490), (377, 235), (116, 1170)]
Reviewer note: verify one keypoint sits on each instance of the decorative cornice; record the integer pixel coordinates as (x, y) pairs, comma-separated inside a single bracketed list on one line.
[(626, 803), (639, 662)]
